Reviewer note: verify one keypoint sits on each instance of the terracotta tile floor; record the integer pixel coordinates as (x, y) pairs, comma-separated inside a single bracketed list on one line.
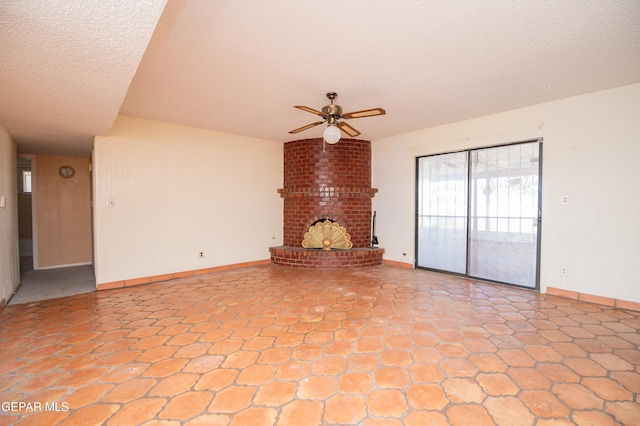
[(267, 345)]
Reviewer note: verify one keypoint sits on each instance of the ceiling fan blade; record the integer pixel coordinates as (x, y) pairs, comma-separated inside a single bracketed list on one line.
[(365, 113), (348, 129), (308, 126), (311, 110)]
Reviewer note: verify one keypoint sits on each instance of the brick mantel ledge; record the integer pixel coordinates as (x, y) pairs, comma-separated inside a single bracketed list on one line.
[(305, 191)]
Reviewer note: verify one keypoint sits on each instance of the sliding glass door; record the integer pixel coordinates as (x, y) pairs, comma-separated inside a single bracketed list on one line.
[(503, 219), (478, 213), (442, 212)]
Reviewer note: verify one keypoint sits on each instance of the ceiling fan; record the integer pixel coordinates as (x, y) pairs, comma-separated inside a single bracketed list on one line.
[(331, 114)]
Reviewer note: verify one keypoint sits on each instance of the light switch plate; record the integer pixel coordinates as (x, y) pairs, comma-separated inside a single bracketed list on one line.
[(3, 200)]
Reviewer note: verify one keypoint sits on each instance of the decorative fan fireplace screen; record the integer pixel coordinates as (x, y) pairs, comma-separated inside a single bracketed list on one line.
[(327, 235)]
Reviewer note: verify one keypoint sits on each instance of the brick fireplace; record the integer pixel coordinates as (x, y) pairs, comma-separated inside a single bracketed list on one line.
[(327, 182)]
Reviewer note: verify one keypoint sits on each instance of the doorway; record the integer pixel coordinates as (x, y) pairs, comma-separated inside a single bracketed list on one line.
[(25, 213), (478, 213), (54, 221)]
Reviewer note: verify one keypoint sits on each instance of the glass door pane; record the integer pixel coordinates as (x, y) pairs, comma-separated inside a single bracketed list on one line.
[(442, 212), (503, 218)]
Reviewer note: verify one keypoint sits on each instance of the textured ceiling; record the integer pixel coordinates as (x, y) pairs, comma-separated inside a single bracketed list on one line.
[(66, 66), (240, 66)]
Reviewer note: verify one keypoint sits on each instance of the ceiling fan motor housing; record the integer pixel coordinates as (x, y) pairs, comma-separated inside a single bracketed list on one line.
[(332, 110)]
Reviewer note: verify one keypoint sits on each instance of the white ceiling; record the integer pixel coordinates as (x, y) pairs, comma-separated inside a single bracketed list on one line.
[(67, 68)]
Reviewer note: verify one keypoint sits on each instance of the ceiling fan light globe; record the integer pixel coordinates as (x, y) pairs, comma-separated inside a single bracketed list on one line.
[(331, 135)]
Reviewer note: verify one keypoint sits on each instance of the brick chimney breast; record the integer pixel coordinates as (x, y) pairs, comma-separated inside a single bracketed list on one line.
[(327, 182)]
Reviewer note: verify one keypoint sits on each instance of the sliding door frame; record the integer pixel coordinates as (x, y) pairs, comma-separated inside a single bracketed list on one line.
[(468, 152)]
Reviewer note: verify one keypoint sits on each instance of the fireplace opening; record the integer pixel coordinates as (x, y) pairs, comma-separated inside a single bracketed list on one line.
[(322, 220), (327, 234)]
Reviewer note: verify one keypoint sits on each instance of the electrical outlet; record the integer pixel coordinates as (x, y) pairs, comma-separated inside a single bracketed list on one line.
[(564, 271), (201, 254)]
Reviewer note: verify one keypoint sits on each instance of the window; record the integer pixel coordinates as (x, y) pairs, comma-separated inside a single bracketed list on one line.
[(26, 181)]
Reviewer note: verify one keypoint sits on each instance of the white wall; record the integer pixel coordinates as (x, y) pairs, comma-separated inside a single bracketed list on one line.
[(176, 191), (591, 152), (9, 254)]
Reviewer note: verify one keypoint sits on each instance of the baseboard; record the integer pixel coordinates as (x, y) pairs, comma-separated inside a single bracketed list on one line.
[(396, 263), (598, 300), (172, 276)]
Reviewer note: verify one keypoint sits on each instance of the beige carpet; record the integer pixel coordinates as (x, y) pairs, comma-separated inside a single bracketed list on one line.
[(46, 284)]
